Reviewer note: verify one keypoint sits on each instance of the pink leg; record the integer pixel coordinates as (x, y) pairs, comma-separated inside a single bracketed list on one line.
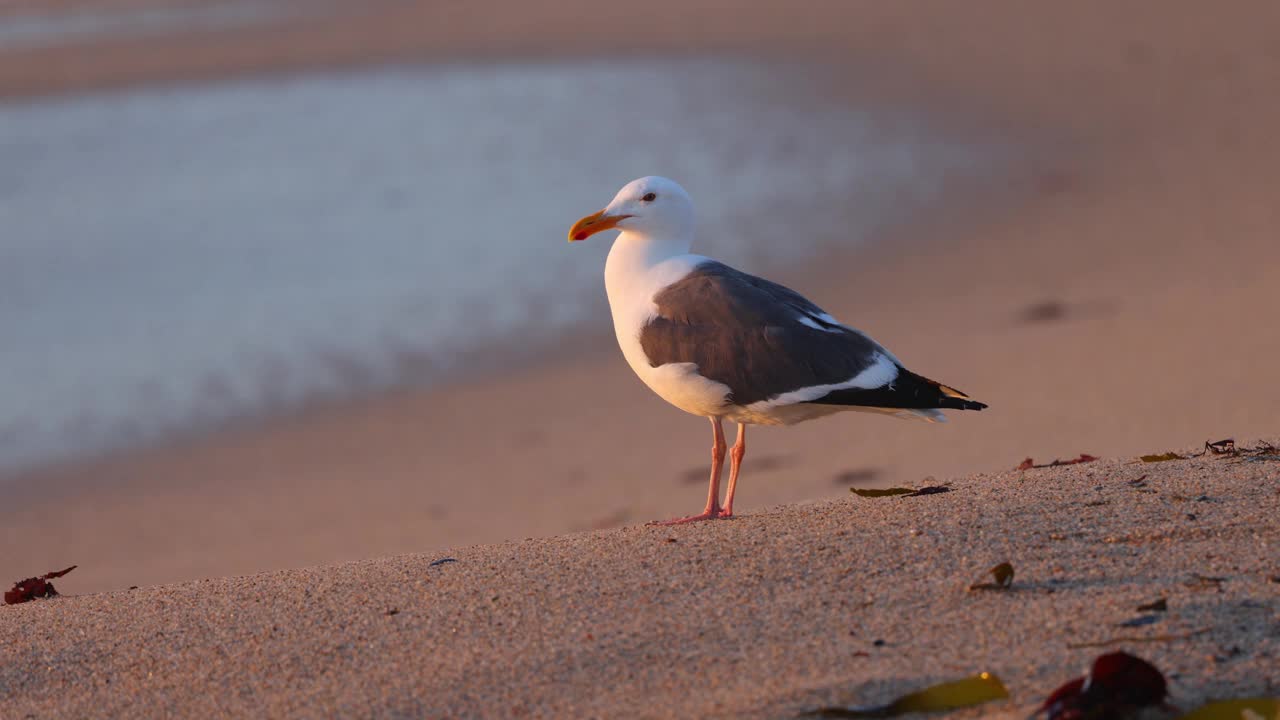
[(735, 455), (712, 510)]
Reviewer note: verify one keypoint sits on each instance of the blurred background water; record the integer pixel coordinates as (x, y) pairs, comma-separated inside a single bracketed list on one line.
[(184, 255)]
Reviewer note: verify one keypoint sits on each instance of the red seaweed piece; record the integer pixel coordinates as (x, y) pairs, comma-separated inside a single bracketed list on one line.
[(1117, 685), (36, 587)]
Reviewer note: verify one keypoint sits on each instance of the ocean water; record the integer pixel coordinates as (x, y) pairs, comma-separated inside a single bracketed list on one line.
[(171, 257)]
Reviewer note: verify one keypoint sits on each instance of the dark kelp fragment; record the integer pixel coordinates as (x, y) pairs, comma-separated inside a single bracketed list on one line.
[(1263, 452), (1160, 605), (36, 587), (1266, 708), (1221, 447), (904, 492), (442, 561), (929, 490), (880, 492), (1003, 574), (1162, 457), (1028, 464), (1117, 686), (953, 695)]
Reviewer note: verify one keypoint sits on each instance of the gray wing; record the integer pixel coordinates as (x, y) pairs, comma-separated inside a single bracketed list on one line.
[(759, 338)]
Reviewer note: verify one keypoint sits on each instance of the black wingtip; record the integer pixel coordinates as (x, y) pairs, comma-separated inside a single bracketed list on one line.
[(954, 403)]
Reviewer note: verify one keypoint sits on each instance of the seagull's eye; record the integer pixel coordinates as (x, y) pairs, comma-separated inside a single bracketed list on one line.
[(650, 197)]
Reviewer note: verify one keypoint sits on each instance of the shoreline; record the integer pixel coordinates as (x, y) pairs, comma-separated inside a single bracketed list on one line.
[(174, 407)]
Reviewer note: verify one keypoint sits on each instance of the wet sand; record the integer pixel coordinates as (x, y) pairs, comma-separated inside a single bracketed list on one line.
[(1120, 305)]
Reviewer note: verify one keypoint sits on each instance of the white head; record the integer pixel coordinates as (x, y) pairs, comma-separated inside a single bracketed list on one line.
[(653, 206)]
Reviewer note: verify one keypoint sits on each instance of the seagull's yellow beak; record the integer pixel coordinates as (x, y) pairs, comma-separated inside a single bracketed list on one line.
[(592, 224)]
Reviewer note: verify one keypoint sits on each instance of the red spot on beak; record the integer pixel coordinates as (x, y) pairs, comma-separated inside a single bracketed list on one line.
[(594, 223)]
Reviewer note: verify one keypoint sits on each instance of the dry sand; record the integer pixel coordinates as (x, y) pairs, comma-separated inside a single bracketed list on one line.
[(854, 600)]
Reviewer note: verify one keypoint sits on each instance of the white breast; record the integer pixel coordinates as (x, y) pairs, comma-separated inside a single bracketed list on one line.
[(632, 282)]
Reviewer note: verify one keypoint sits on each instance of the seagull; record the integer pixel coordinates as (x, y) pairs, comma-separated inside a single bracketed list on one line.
[(719, 343)]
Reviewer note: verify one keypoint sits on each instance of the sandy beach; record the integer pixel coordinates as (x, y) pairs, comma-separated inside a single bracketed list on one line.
[(852, 601), (1114, 296)]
